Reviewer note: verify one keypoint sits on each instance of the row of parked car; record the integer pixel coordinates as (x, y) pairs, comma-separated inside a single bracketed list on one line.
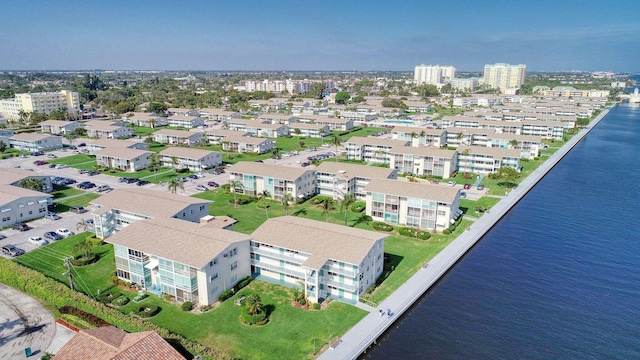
[(130, 180), (62, 181)]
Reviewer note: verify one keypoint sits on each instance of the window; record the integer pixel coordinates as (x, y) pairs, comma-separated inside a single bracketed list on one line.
[(234, 265), (213, 277)]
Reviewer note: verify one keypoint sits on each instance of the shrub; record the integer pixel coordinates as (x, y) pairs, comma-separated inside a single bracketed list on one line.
[(81, 260), (315, 306), (414, 233), (255, 319), (358, 207), (446, 231), (187, 306), (91, 319), (121, 300), (379, 226), (147, 311), (225, 295), (242, 283)]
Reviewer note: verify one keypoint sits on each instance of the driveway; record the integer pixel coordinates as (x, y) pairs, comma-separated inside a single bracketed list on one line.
[(23, 323)]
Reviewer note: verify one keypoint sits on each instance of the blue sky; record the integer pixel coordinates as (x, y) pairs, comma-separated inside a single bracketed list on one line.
[(323, 35)]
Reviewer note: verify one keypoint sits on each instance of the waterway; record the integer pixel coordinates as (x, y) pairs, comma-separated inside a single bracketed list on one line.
[(556, 278)]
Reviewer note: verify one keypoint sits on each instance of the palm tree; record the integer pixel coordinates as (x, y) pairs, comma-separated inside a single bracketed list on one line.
[(346, 201), (32, 184), (286, 199), (262, 198), (298, 132), (234, 185), (276, 154), (175, 184), (513, 143), (336, 141), (326, 206), (153, 122), (253, 304), (83, 248), (154, 164), (70, 137), (84, 227), (174, 163), (422, 135), (459, 138)]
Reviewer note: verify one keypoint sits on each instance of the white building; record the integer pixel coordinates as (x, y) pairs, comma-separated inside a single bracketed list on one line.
[(59, 127), (504, 76), (188, 158), (277, 180), (337, 179), (433, 74), (42, 102), (35, 142)]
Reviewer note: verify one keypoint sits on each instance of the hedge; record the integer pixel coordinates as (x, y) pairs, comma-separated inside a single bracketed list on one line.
[(57, 294), (414, 233), (187, 306), (358, 207), (379, 226), (255, 319), (147, 311)]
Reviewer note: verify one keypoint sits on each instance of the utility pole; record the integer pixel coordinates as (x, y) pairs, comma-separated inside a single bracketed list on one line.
[(68, 264)]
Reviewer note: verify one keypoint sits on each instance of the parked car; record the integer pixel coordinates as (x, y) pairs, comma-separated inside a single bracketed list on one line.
[(89, 222), (2, 237), (91, 173), (82, 144), (73, 147), (467, 186), (78, 209), (201, 188), (37, 241), (53, 236), (142, 182), (452, 183), (51, 156), (480, 187), (65, 233), (12, 250), (213, 184), (52, 216), (20, 226), (463, 195), (102, 188), (61, 166), (193, 177)]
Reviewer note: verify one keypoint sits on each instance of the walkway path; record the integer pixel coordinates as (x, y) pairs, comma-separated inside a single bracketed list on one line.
[(363, 334)]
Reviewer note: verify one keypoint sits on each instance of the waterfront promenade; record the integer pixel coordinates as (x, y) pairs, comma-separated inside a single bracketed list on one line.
[(371, 327)]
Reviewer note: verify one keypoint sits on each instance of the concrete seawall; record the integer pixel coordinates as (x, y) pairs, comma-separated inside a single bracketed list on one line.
[(369, 329)]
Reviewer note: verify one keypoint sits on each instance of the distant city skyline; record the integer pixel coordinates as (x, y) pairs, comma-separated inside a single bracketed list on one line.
[(329, 36)]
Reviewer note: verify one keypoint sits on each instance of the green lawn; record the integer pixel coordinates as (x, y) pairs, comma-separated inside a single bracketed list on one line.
[(365, 131), (64, 191), (80, 200), (469, 206), (74, 160), (286, 144)]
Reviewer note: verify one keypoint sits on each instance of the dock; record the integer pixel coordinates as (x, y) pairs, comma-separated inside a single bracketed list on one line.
[(366, 332)]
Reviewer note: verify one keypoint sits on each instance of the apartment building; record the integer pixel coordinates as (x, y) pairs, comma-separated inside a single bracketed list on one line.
[(242, 144), (184, 260), (277, 119), (59, 127), (185, 121), (123, 159), (99, 144), (218, 115), (18, 204), (334, 123), (486, 160), (371, 149), (419, 205), (178, 137), (193, 159), (336, 179), (309, 130), (182, 111), (327, 260), (42, 102), (117, 209), (419, 136), (217, 135), (99, 129), (427, 161), (32, 142), (465, 84), (257, 128), (433, 74), (504, 76), (277, 180), (145, 119)]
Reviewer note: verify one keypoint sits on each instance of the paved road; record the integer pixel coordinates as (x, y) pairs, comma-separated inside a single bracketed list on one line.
[(23, 323)]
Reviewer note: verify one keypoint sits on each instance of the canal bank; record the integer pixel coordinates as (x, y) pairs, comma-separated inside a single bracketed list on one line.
[(364, 334)]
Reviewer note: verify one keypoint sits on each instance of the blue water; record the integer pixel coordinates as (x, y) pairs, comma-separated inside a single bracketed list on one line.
[(557, 278)]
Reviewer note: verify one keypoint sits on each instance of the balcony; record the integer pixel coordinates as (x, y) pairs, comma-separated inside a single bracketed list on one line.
[(278, 269), (339, 285)]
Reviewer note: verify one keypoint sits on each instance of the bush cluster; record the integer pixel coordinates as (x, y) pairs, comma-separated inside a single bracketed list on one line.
[(187, 306), (414, 233), (81, 260), (240, 285), (358, 207), (91, 319), (379, 226), (147, 311), (255, 319)]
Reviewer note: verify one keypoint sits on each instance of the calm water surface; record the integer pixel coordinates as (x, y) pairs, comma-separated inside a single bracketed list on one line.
[(557, 278)]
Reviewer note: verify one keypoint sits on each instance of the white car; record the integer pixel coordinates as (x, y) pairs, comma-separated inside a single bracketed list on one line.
[(38, 241), (65, 233), (61, 166)]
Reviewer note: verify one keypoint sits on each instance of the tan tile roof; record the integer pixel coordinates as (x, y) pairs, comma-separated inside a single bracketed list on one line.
[(156, 204), (222, 132), (177, 240), (321, 240), (408, 189), (57, 122), (495, 152), (423, 150), (268, 170), (307, 126), (354, 170), (9, 193), (359, 140), (111, 143), (176, 133), (183, 117), (30, 136), (111, 343), (122, 153), (246, 139), (417, 130), (185, 152)]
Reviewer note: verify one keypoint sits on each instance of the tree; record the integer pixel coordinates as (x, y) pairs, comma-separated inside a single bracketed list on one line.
[(234, 185), (508, 174), (3, 146), (174, 162), (32, 184), (253, 304), (316, 89), (84, 227), (83, 248), (70, 137), (276, 154), (336, 141), (286, 199), (346, 201), (175, 184), (262, 198), (326, 205), (154, 164), (342, 97), (298, 132), (158, 108), (514, 144)]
